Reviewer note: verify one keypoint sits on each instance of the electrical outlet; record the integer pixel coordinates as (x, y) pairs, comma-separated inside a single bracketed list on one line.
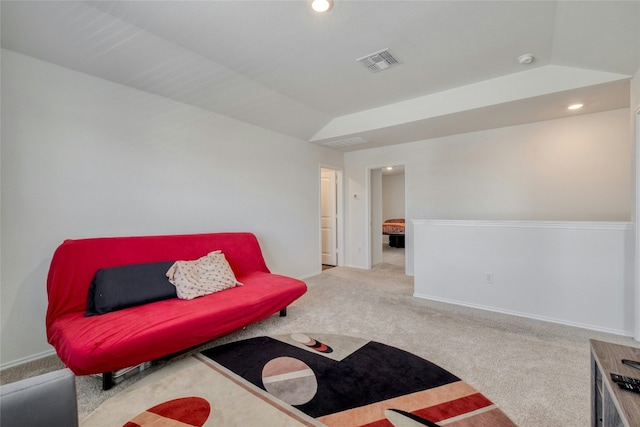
[(488, 277)]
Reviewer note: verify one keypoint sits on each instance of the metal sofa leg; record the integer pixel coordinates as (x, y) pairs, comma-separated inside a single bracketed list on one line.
[(283, 312), (107, 380)]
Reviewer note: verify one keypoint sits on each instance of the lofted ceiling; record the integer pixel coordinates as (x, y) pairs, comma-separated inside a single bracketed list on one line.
[(283, 67)]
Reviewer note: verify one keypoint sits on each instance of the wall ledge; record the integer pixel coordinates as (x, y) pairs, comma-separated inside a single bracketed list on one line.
[(575, 225)]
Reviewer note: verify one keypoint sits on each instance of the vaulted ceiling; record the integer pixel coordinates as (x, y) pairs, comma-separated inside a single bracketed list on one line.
[(283, 67)]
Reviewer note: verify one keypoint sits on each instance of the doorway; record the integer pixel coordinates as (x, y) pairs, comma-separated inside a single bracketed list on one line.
[(387, 201), (331, 217)]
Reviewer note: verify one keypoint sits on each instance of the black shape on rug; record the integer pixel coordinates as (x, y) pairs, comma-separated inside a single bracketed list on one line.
[(373, 373)]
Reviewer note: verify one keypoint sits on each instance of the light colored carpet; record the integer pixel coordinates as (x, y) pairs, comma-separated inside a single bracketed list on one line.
[(536, 372)]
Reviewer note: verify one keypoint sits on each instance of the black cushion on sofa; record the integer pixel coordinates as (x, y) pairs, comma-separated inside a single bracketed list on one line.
[(116, 288)]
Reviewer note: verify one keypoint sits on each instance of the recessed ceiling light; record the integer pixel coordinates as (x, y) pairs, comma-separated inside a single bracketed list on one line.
[(575, 106), (389, 168), (321, 5)]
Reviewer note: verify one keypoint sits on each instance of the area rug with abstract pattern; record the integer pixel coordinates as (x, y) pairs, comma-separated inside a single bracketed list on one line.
[(300, 380)]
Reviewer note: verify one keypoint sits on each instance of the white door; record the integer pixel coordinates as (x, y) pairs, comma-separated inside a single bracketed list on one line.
[(328, 217), (375, 218)]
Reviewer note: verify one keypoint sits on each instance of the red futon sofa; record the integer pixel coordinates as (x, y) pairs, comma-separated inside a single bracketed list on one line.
[(127, 337)]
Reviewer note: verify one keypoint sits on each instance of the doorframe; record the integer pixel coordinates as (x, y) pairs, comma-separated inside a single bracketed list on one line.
[(339, 213)]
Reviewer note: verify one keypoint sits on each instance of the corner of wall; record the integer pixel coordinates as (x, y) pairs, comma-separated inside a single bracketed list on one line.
[(635, 134)]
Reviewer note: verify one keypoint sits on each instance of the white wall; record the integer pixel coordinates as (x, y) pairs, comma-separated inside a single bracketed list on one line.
[(83, 157), (392, 196), (568, 169), (573, 273)]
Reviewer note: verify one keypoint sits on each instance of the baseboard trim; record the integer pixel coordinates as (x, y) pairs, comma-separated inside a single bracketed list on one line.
[(307, 276), (526, 315), (27, 359), (358, 267)]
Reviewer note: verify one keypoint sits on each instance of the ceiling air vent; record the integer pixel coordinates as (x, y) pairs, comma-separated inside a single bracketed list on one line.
[(345, 142), (379, 61)]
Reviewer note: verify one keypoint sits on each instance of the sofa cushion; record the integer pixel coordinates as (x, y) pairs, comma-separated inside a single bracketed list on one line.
[(126, 286), (206, 275), (90, 345)]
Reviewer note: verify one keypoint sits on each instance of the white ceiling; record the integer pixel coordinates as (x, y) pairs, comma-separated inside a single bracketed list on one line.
[(278, 65)]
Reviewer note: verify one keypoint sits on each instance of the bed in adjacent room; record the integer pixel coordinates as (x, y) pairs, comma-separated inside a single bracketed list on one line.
[(394, 228)]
